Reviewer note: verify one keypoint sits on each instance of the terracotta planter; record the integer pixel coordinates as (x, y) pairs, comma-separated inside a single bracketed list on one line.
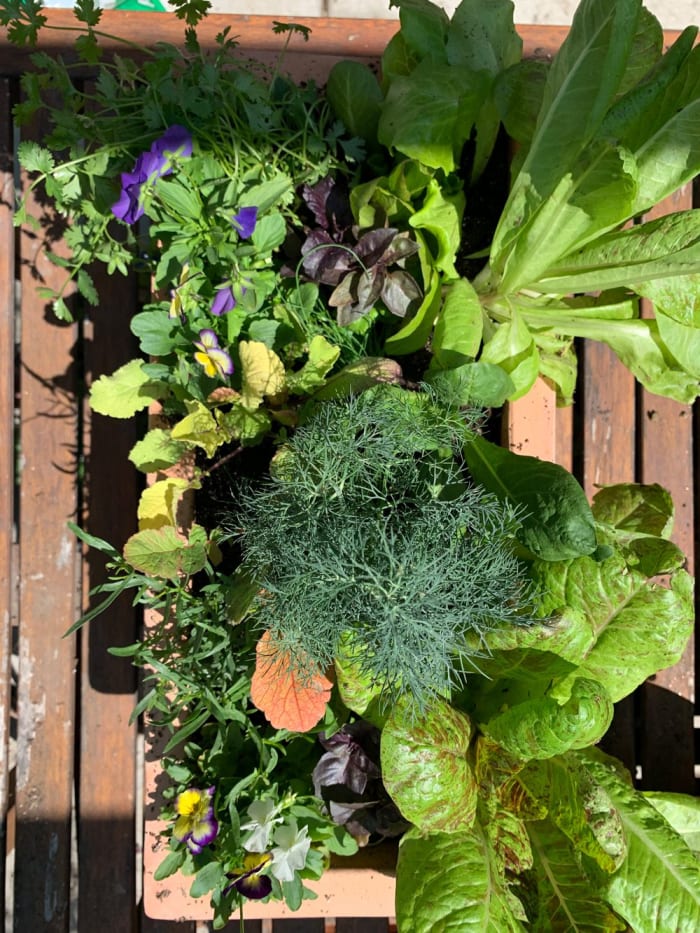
[(364, 885)]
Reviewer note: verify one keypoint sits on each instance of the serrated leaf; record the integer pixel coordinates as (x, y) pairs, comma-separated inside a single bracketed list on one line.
[(125, 392), (207, 878), (290, 697), (263, 372), (162, 552), (34, 158)]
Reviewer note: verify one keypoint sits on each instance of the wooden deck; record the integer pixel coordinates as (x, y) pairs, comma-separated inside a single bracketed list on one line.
[(69, 765)]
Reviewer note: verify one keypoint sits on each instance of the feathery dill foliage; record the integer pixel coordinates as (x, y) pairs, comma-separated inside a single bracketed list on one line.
[(368, 526)]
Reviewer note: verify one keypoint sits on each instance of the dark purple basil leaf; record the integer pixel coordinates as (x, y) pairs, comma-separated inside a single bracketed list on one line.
[(399, 292), (316, 197), (401, 247), (357, 294), (330, 205), (324, 261), (372, 245)]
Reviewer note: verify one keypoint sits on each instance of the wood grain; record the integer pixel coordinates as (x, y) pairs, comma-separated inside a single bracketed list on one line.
[(7, 455), (48, 590)]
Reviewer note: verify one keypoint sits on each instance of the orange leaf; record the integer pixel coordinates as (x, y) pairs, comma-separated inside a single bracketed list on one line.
[(289, 698)]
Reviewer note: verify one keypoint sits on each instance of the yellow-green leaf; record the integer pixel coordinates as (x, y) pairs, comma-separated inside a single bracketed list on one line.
[(200, 427), (158, 503), (125, 392), (263, 372)]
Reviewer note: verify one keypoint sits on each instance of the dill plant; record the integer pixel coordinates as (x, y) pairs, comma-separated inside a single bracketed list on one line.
[(369, 538)]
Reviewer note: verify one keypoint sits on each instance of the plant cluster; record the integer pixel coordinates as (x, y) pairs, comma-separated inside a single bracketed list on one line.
[(397, 626)]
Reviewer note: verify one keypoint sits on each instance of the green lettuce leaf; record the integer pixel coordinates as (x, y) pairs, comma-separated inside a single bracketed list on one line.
[(557, 521), (682, 812), (543, 727), (641, 627), (425, 766), (450, 882), (566, 900), (579, 806), (658, 885)]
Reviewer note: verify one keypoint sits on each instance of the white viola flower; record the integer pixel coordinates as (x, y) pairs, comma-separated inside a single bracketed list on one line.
[(263, 817), (289, 854)]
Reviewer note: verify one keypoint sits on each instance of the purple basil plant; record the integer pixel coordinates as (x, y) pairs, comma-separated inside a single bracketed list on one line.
[(362, 268), (348, 778)]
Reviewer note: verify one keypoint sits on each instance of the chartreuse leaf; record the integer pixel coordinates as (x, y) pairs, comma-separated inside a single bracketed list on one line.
[(200, 427), (244, 425), (263, 372), (415, 333), (450, 882), (542, 727), (682, 340), (683, 814), (566, 900), (159, 501), (425, 767), (322, 357), (641, 628), (513, 348), (163, 552), (441, 216), (157, 451), (459, 327), (125, 392), (658, 885), (557, 521), (579, 806)]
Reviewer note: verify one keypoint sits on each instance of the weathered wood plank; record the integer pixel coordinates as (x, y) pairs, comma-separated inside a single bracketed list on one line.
[(107, 794), (362, 925), (47, 599), (7, 453), (333, 37)]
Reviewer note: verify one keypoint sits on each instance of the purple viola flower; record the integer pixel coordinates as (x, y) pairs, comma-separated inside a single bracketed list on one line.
[(196, 824), (224, 301), (249, 880), (149, 166), (209, 355), (244, 221)]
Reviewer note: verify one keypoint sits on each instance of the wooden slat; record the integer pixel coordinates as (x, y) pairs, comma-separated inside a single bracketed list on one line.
[(7, 453), (47, 600), (666, 457), (362, 925), (304, 925), (336, 37), (107, 780)]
